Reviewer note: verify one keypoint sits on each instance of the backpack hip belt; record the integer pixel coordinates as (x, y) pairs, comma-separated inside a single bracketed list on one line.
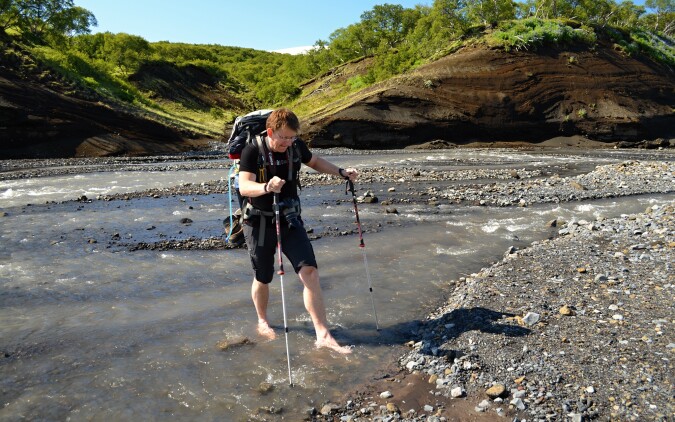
[(290, 209)]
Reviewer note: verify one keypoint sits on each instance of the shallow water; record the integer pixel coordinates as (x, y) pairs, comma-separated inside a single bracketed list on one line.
[(91, 331)]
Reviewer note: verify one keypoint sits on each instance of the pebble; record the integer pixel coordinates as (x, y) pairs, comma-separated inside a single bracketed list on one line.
[(328, 408), (496, 391), (518, 403), (566, 311), (531, 318), (391, 407), (265, 387), (386, 395), (226, 344)]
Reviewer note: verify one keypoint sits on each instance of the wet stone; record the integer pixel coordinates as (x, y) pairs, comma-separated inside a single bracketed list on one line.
[(329, 408), (226, 344), (265, 387)]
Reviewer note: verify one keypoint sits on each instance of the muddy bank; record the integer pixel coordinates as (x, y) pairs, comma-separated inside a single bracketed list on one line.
[(483, 95), (44, 115)]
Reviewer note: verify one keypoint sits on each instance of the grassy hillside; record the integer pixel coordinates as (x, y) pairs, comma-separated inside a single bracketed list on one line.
[(202, 88)]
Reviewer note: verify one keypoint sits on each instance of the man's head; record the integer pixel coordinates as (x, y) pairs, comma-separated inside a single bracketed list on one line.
[(282, 127)]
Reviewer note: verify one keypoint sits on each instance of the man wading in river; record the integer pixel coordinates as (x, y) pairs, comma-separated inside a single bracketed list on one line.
[(264, 171)]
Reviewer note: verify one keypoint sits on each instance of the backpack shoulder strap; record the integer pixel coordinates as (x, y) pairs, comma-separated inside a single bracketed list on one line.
[(261, 145)]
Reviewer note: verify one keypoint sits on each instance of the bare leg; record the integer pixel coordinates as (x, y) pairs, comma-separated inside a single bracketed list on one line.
[(313, 299), (261, 295)]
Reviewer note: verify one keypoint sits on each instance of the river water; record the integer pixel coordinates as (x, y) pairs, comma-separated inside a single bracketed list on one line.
[(92, 331)]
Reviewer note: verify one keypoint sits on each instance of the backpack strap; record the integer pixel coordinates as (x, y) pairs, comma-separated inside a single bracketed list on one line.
[(295, 150), (261, 143), (249, 211)]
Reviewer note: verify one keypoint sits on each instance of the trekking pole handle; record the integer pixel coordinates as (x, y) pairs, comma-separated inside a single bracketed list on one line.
[(349, 187)]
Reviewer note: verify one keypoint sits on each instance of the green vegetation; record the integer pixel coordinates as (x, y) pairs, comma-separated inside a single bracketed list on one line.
[(531, 33), (126, 68)]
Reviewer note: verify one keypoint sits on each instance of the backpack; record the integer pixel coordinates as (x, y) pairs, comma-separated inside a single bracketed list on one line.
[(244, 130), (249, 129)]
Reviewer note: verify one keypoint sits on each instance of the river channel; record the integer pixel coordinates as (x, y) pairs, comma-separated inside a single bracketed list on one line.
[(90, 330)]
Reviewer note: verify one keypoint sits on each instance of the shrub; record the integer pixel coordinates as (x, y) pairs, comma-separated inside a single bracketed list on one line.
[(356, 82), (526, 34)]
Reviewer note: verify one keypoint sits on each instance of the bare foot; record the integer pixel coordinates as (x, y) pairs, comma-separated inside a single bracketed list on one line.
[(266, 331), (331, 344)]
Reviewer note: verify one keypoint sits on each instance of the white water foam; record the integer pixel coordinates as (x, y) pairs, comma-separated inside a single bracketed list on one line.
[(456, 251), (490, 227)]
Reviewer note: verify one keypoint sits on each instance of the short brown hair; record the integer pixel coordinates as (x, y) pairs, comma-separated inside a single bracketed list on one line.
[(283, 117)]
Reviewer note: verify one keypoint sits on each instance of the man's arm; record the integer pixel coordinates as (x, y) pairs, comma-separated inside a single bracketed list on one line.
[(324, 166), (249, 187)]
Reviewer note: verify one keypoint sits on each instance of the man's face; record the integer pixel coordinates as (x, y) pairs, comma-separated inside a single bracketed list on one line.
[(281, 139)]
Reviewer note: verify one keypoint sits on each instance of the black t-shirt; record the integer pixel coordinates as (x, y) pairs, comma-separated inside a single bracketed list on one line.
[(249, 163)]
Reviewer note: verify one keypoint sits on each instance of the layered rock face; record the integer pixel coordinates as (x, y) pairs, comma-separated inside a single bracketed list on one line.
[(481, 94), (40, 122)]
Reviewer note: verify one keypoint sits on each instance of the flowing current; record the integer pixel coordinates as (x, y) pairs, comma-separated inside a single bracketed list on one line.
[(90, 330)]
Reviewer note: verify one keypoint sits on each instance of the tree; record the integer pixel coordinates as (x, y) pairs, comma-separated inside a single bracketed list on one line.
[(9, 14), (389, 23), (664, 17), (39, 20), (126, 51), (351, 42), (73, 21), (490, 12), (626, 15), (450, 15)]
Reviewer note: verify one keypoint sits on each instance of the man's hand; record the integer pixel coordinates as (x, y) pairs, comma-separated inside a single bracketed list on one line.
[(275, 184), (350, 173)]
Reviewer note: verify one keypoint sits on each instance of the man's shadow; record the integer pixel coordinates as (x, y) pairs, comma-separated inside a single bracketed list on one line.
[(432, 333)]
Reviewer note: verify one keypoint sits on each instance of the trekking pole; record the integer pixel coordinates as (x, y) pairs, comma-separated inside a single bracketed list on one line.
[(281, 276), (350, 187), (230, 182)]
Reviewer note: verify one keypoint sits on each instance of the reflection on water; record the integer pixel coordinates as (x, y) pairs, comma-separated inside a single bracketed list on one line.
[(92, 331)]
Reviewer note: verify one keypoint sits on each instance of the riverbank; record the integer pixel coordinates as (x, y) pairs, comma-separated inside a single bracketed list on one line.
[(427, 196), (574, 328)]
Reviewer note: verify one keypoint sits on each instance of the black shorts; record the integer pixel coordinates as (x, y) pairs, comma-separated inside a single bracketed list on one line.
[(295, 245)]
